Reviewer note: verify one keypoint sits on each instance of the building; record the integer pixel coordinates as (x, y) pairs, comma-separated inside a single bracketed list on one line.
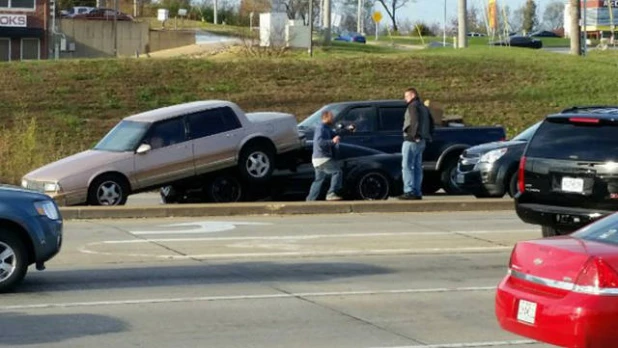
[(23, 29), (601, 16)]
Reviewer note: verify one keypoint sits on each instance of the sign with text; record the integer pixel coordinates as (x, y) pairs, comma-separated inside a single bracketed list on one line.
[(15, 21)]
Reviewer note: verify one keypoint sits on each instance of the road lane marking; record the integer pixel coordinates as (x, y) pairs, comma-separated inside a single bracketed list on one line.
[(247, 297), (306, 237), (302, 253), (473, 344), (201, 227)]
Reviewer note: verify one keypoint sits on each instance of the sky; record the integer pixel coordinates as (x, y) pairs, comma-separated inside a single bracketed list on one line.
[(432, 11)]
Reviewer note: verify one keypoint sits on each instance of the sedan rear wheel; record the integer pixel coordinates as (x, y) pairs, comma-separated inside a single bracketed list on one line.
[(224, 189), (13, 261)]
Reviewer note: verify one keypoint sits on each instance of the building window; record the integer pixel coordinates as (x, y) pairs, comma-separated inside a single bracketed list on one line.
[(18, 4), (5, 50), (30, 49)]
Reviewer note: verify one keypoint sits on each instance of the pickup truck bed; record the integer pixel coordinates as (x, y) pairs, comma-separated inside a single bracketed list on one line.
[(379, 126)]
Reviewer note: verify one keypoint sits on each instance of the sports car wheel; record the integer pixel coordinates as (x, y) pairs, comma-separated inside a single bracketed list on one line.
[(373, 186)]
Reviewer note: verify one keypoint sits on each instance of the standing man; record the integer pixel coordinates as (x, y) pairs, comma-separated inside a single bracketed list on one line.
[(417, 129), (324, 142)]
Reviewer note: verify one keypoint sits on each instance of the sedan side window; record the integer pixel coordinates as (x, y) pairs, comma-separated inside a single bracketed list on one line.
[(166, 133), (363, 119), (212, 122)]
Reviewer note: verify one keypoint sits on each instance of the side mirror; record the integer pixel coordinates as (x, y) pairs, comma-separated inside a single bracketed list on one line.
[(142, 149)]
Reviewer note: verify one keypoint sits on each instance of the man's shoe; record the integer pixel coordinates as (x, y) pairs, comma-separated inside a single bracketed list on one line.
[(333, 197), (409, 197)]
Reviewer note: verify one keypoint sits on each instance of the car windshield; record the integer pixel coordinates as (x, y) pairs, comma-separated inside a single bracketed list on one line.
[(124, 137), (603, 231), (314, 120), (527, 134)]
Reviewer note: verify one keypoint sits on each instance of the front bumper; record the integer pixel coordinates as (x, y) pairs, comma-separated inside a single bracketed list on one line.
[(573, 320), (482, 180), (47, 237), (561, 218)]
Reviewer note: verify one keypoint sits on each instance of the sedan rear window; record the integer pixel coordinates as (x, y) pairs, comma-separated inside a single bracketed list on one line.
[(603, 231), (565, 140)]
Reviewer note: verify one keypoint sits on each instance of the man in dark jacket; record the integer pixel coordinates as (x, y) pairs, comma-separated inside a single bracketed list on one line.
[(417, 130), (324, 142)]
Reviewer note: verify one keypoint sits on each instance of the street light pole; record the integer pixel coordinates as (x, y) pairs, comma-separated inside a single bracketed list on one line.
[(463, 24), (585, 30), (310, 28), (359, 14)]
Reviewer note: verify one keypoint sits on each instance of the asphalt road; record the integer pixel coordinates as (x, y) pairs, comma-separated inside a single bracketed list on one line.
[(387, 280)]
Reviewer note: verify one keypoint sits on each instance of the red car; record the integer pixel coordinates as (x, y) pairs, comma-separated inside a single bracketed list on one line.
[(564, 290)]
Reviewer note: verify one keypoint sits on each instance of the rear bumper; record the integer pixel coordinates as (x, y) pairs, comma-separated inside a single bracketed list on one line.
[(574, 320), (561, 218)]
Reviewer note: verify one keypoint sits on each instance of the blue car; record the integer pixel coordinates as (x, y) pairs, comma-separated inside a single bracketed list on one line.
[(30, 233), (351, 37)]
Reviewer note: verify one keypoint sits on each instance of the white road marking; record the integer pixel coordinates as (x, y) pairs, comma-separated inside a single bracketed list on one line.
[(473, 344), (245, 297), (305, 254), (304, 237), (201, 227)]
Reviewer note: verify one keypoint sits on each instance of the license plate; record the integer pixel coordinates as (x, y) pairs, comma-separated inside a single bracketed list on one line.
[(572, 185), (526, 311), (460, 179)]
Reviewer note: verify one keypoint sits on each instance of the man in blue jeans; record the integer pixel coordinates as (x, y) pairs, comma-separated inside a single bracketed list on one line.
[(417, 129), (324, 142)]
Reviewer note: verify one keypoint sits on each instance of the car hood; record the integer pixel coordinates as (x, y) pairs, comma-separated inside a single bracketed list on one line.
[(484, 148), (257, 117), (10, 193), (78, 163)]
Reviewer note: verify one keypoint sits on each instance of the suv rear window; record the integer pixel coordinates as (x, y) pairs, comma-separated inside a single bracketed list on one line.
[(559, 138)]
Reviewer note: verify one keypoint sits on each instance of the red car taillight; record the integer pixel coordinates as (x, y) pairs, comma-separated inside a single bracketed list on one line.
[(521, 182), (598, 278)]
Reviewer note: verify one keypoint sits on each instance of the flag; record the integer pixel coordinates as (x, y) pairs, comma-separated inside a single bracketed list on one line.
[(492, 10)]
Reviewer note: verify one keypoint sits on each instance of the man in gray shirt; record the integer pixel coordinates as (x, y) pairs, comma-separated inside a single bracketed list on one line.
[(417, 130)]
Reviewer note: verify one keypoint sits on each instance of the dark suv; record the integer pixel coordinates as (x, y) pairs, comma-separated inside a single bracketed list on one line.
[(568, 176), (30, 233)]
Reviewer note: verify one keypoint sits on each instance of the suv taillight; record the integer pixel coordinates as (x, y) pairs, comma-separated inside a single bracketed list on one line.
[(597, 278), (521, 182)]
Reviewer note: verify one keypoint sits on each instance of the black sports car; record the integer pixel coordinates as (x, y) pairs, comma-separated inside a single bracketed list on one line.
[(368, 175)]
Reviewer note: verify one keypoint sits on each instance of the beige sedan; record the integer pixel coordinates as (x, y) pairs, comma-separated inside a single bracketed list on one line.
[(163, 146)]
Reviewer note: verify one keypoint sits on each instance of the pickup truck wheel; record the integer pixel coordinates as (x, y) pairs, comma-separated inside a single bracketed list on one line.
[(13, 261), (224, 189), (431, 185), (373, 186), (448, 176), (549, 231), (257, 163), (108, 190)]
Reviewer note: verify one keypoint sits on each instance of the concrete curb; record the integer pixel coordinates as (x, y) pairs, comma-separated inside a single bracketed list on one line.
[(283, 208)]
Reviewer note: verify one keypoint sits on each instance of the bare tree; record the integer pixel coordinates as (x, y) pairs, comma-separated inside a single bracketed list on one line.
[(553, 17), (531, 19), (391, 7)]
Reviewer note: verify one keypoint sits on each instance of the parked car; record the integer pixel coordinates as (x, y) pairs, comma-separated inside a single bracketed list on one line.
[(562, 290), (568, 175), (104, 14), (378, 125), (544, 33), (520, 41), (368, 175), (77, 10), (490, 170), (474, 34), (159, 147), (30, 233), (351, 37)]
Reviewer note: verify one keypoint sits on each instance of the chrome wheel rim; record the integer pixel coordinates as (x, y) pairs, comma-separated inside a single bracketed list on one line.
[(258, 164), (109, 193), (8, 261), (225, 190)]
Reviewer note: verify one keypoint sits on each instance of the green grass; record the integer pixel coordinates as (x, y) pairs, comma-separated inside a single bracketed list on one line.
[(65, 106)]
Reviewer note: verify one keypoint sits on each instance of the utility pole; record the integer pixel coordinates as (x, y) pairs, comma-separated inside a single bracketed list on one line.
[(585, 31), (115, 28), (444, 27), (576, 35), (359, 19), (216, 10), (310, 28), (327, 21), (463, 24)]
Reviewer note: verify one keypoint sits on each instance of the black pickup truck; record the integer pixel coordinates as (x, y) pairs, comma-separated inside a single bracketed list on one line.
[(378, 124)]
